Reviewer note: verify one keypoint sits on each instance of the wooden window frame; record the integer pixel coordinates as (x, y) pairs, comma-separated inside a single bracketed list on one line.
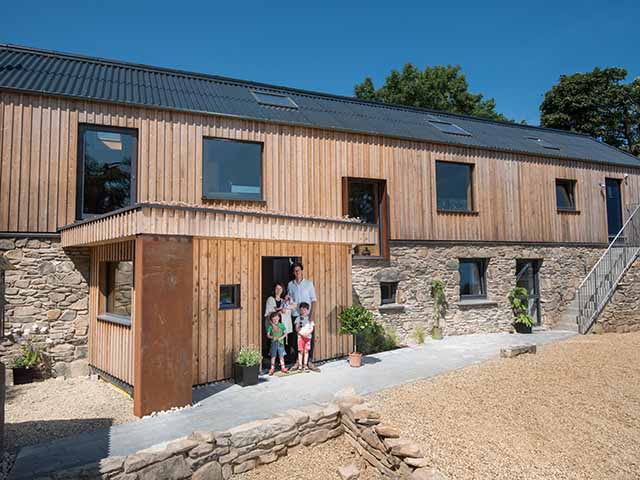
[(383, 222), (133, 188), (228, 198), (573, 194), (484, 266), (471, 210), (105, 290), (236, 296)]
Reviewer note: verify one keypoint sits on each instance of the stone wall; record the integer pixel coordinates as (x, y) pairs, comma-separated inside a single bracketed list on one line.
[(47, 302), (218, 455), (622, 313), (415, 265)]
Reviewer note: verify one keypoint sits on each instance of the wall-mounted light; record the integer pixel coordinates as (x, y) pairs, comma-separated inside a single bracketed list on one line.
[(625, 176)]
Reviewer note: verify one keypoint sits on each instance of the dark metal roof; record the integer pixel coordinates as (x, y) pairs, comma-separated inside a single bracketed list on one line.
[(53, 73)]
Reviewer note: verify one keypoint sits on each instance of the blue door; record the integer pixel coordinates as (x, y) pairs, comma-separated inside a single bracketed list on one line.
[(614, 207)]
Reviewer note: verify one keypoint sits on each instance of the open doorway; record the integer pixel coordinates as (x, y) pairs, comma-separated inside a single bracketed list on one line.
[(275, 269)]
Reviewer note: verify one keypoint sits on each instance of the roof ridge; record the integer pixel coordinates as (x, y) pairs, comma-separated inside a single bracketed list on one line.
[(249, 83)]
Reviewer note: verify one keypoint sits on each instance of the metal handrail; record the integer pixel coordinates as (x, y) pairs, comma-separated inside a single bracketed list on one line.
[(596, 289)]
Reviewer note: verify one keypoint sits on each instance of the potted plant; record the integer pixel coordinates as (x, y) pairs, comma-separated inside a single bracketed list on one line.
[(354, 320), (24, 366), (247, 366), (519, 301), (439, 307)]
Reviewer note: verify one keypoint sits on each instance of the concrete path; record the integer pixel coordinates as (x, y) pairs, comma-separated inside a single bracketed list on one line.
[(224, 405)]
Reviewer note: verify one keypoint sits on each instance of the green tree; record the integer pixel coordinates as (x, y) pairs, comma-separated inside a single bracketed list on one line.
[(440, 88), (597, 103)]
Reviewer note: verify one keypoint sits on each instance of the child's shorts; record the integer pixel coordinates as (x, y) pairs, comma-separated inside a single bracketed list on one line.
[(277, 349), (304, 344)]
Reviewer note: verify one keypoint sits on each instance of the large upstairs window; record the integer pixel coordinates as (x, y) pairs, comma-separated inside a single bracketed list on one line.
[(231, 170), (106, 169), (454, 187), (566, 195)]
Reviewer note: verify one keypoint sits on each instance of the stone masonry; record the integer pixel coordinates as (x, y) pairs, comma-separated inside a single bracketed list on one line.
[(413, 266), (622, 313), (47, 303)]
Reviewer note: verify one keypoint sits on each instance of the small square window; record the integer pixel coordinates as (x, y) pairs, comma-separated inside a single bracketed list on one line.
[(566, 194), (388, 292), (473, 278), (274, 100), (229, 297)]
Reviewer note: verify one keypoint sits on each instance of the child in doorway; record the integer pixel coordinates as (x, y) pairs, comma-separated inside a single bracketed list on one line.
[(276, 331), (304, 328)]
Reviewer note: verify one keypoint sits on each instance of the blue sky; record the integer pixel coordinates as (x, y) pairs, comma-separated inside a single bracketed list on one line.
[(512, 51)]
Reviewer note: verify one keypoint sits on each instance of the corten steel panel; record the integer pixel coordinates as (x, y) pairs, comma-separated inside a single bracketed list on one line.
[(162, 331)]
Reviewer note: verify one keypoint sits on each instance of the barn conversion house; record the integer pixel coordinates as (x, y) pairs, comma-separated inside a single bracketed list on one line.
[(147, 212)]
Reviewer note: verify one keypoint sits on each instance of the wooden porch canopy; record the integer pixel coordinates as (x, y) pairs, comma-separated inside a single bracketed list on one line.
[(198, 221)]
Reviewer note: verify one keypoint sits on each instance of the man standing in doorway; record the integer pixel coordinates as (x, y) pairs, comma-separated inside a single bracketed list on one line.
[(302, 290)]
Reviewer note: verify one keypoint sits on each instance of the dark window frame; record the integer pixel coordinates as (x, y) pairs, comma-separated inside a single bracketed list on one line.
[(470, 190), (133, 187), (393, 290), (256, 94), (222, 195), (571, 194), (2, 301), (484, 264), (383, 219), (236, 296)]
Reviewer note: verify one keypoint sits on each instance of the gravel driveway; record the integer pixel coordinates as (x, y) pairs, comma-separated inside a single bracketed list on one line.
[(570, 412), (44, 411)]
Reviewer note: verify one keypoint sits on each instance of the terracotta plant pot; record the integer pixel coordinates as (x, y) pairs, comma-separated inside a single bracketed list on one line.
[(355, 359), (436, 333)]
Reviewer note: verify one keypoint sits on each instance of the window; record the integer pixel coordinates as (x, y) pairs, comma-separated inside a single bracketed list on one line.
[(229, 297), (106, 170), (543, 143), (447, 127), (454, 186), (388, 292), (565, 194), (274, 100), (472, 278), (2, 302), (366, 199), (117, 291), (231, 170)]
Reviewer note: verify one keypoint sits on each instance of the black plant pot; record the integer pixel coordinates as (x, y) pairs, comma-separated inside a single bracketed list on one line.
[(23, 375), (522, 328), (246, 376)]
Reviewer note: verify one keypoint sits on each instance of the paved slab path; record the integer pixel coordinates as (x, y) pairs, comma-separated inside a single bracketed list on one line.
[(224, 405)]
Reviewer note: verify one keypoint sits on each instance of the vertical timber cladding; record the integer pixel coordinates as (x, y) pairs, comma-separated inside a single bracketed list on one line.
[(219, 334), (162, 331), (110, 344)]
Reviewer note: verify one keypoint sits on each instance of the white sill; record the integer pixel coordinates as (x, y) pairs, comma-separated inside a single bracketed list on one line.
[(476, 302), (391, 308)]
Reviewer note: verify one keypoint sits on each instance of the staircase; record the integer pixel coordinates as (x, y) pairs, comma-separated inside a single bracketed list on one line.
[(597, 288)]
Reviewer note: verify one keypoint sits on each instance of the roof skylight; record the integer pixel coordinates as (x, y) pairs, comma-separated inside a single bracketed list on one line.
[(274, 100), (447, 127), (544, 143)]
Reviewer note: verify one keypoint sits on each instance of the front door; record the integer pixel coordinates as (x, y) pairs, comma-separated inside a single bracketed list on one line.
[(527, 278), (614, 207), (274, 269)]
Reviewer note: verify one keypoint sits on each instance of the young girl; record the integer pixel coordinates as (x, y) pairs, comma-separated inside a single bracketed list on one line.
[(304, 328), (277, 333)]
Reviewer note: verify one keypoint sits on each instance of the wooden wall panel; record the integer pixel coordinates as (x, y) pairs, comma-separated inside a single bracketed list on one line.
[(219, 334), (110, 345), (303, 168)]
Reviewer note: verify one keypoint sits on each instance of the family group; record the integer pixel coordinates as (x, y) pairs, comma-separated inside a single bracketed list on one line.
[(290, 322)]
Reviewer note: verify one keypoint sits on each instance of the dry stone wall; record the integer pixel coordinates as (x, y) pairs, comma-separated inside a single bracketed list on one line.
[(622, 313), (415, 265), (218, 455), (47, 302)]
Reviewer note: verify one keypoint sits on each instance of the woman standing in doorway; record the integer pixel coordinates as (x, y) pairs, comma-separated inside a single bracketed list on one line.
[(278, 302)]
